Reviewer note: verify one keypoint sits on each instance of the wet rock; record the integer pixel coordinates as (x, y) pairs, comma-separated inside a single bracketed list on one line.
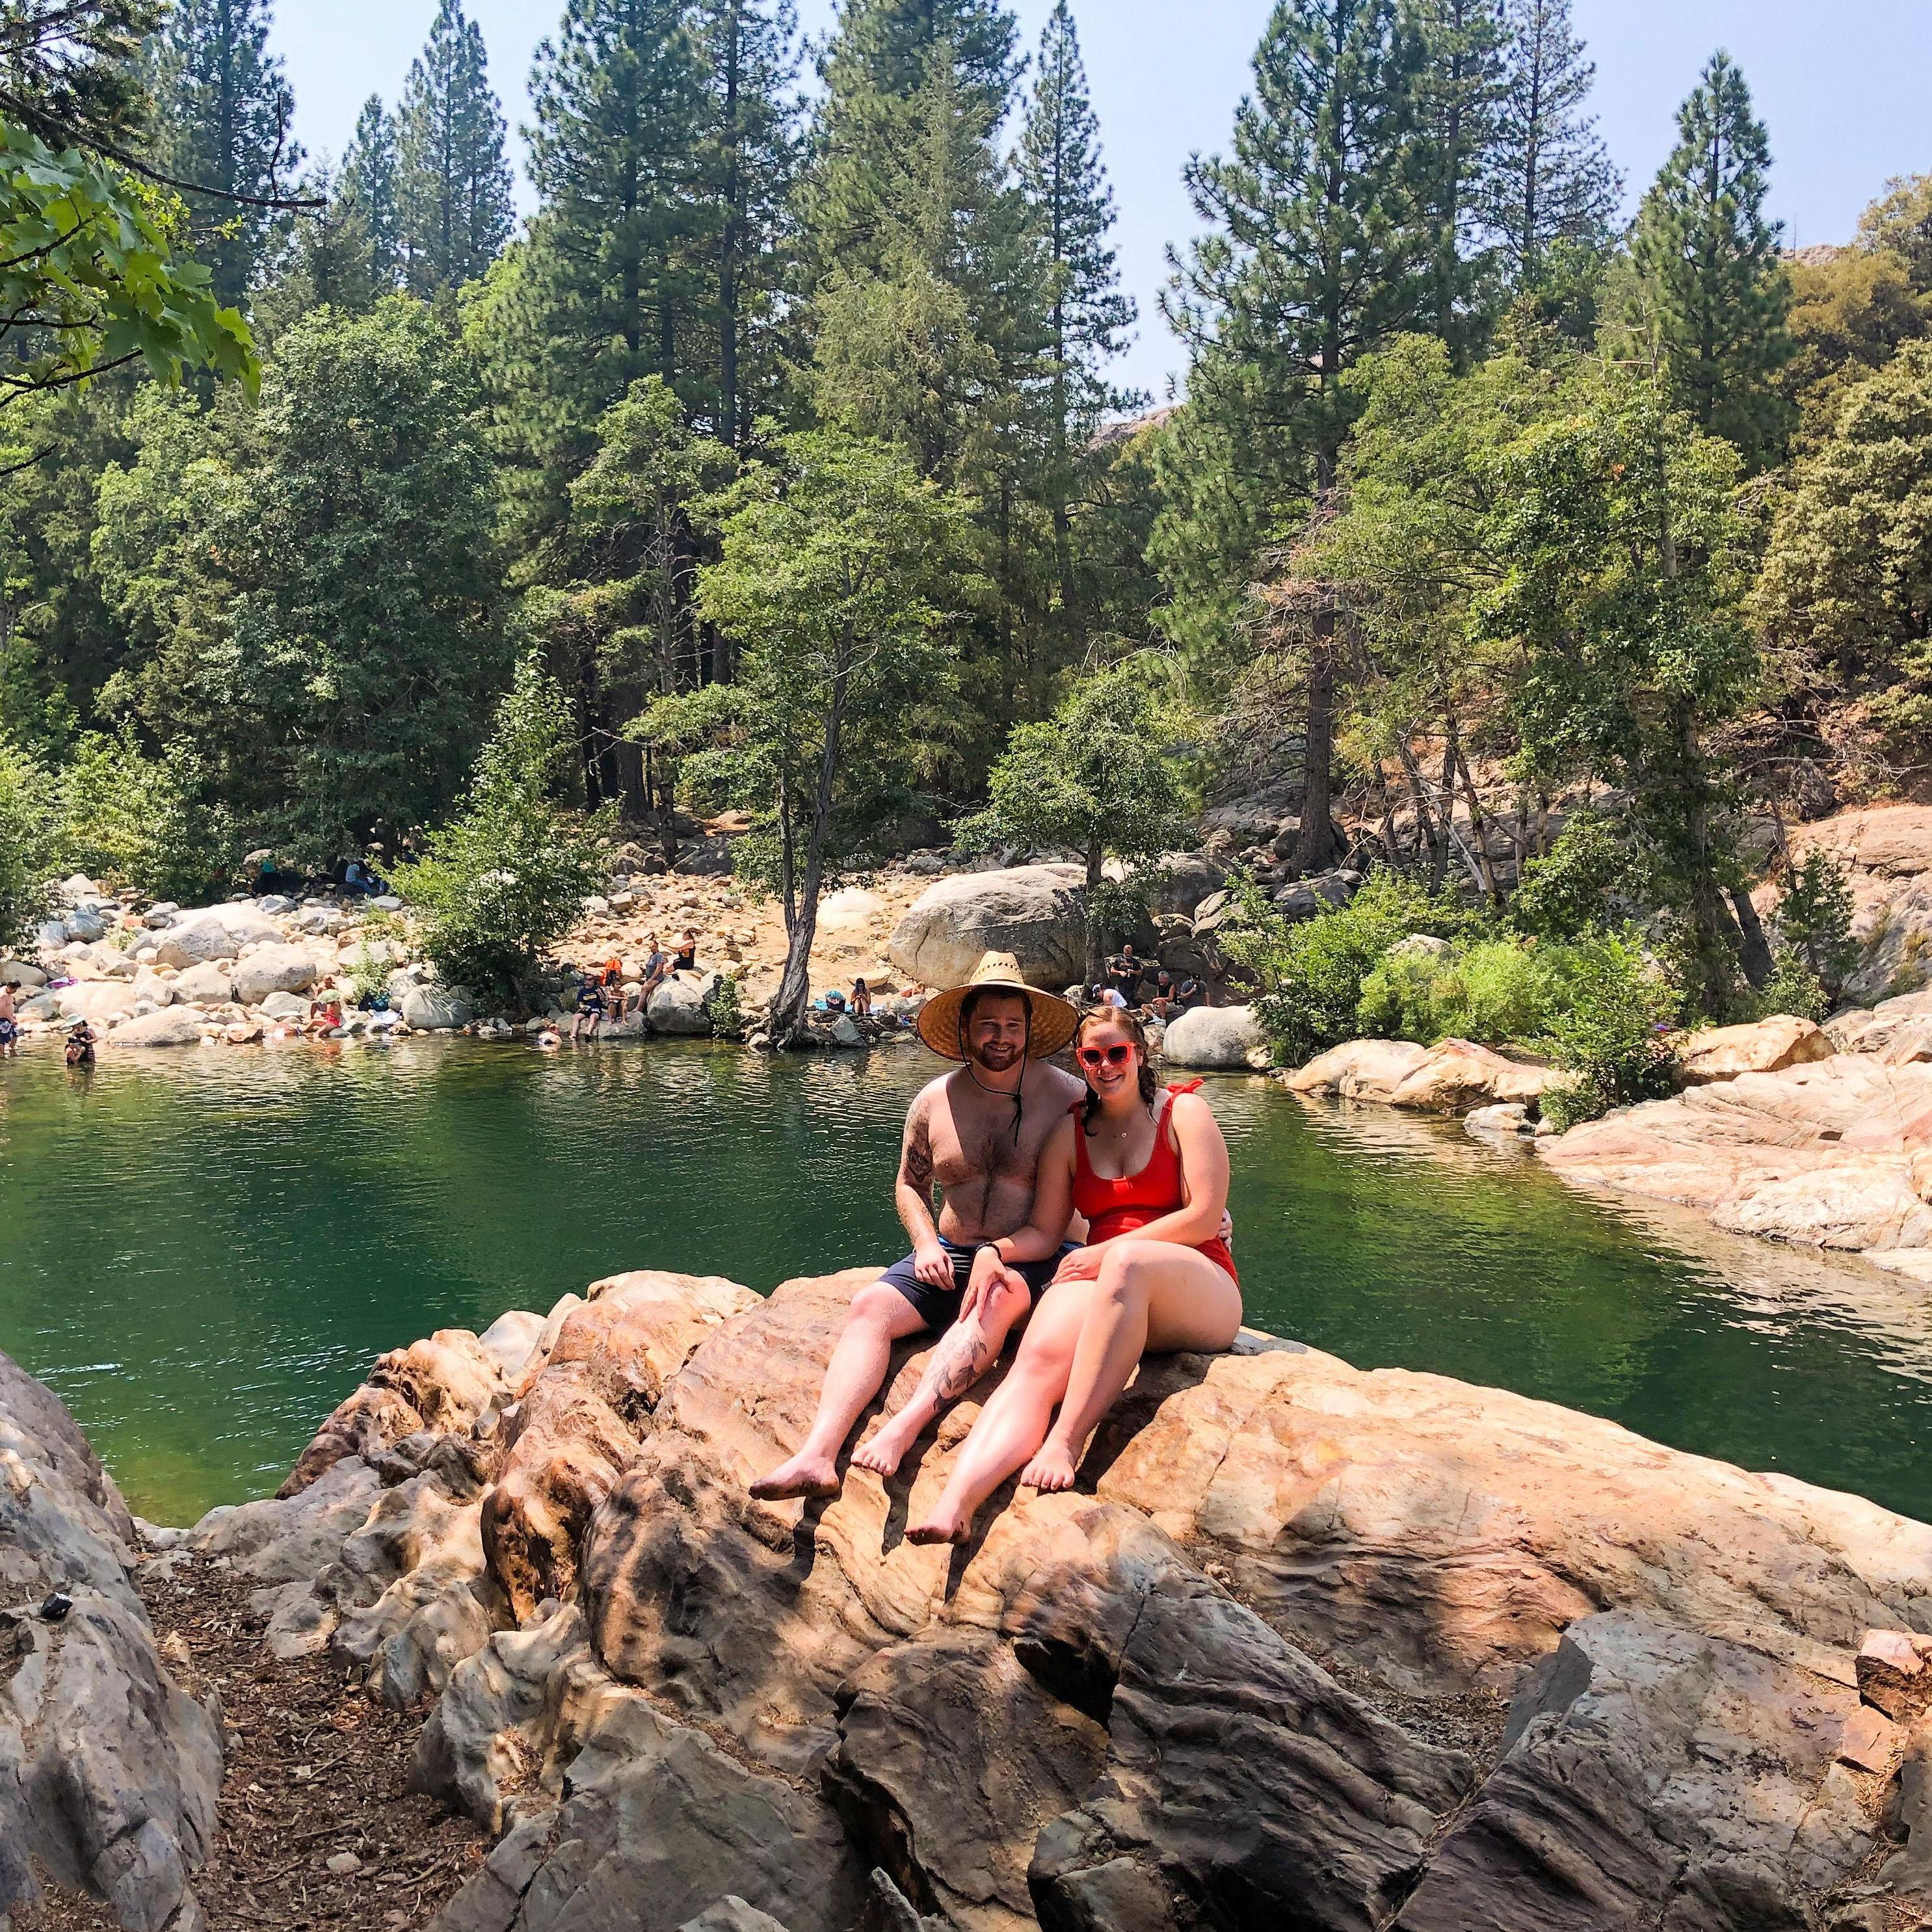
[(1034, 912), (1768, 1046), (1219, 1039)]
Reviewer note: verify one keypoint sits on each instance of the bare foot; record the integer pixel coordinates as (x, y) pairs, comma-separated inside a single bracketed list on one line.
[(944, 1525), (884, 1452), (1051, 1470), (813, 1476)]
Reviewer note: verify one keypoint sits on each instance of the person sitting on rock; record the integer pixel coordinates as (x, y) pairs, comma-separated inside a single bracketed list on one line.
[(325, 1015), (686, 958), (614, 989), (1160, 1001), (590, 1008), (657, 969), (10, 1026), (977, 1134), (1147, 1171), (862, 1000)]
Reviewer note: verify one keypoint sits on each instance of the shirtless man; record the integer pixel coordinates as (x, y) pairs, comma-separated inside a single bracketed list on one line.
[(978, 1134)]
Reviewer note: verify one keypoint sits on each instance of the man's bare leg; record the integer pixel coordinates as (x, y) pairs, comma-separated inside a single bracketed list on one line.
[(880, 1316), (964, 1353)]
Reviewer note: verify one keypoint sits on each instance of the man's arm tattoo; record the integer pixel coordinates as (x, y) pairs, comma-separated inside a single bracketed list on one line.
[(916, 1169)]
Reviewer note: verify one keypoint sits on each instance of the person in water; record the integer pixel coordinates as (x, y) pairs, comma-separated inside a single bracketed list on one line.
[(80, 1045), (1148, 1170), (978, 1135), (10, 1025)]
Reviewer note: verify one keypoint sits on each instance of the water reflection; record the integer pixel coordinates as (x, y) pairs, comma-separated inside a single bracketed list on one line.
[(203, 1250)]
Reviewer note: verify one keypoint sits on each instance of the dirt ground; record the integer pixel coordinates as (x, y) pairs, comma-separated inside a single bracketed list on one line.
[(315, 1771)]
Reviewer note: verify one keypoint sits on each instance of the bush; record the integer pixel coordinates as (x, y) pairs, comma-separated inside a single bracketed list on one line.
[(24, 830), (1610, 1032), (1575, 890), (1493, 991), (725, 1009), (126, 819), (1814, 920), (1311, 975), (507, 878)]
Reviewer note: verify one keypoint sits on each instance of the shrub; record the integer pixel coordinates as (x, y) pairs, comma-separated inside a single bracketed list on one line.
[(1311, 975), (1575, 888), (126, 819), (1814, 920), (1609, 1033), (1492, 991), (725, 1010), (507, 877), (24, 830)]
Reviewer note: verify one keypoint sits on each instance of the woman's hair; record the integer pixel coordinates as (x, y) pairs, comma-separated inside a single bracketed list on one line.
[(1129, 1025)]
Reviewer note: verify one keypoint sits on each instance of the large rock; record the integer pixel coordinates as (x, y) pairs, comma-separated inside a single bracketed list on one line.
[(1766, 1046), (274, 969), (679, 1007), (109, 1770), (172, 1026), (101, 1001), (1034, 912), (208, 985), (17, 972), (1182, 879), (436, 1010), (1887, 850), (1215, 1038), (214, 932), (1457, 1076), (852, 911), (1834, 1154), (1362, 1070)]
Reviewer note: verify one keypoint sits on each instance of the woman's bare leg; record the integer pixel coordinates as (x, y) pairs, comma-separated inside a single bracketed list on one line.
[(965, 1352), (1014, 1423), (1150, 1295)]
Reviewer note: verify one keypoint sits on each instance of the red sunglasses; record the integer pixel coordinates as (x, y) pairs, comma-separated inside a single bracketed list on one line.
[(1097, 1056)]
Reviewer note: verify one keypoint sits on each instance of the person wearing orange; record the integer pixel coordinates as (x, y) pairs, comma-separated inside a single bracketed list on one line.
[(1148, 1170)]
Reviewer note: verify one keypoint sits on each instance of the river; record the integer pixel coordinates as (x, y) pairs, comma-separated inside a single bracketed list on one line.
[(202, 1251)]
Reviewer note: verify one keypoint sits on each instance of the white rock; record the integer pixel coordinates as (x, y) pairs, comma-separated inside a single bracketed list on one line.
[(151, 987), (386, 902), (677, 1007), (100, 1000), (274, 969), (280, 1006), (851, 911), (1219, 1039), (1033, 911), (173, 1026), (437, 1009), (212, 985), (274, 905)]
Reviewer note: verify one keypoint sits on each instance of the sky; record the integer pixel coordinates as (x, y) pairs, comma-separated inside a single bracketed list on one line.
[(1841, 88)]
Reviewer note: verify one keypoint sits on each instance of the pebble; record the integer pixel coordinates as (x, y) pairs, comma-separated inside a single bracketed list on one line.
[(345, 1864)]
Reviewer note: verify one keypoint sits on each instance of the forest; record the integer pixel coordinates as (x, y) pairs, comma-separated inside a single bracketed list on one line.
[(776, 462)]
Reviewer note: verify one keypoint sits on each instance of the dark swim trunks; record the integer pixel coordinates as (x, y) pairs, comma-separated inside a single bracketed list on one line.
[(940, 1306)]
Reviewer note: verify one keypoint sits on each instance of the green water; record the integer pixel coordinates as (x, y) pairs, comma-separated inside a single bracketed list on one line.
[(202, 1251)]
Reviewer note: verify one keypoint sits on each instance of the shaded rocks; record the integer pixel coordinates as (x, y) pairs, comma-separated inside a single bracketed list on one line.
[(1308, 898), (1220, 1039), (1034, 912), (431, 1009), (109, 1771), (1768, 1046)]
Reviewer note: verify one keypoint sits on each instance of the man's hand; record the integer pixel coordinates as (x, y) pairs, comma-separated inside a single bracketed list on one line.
[(932, 1265)]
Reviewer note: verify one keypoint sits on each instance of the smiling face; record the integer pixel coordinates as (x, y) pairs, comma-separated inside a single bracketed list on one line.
[(1109, 1057), (996, 1031)]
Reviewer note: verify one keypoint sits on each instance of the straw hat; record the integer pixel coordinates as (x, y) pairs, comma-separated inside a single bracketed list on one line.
[(1055, 1022)]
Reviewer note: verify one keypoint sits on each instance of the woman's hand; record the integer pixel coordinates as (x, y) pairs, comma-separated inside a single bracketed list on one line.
[(989, 1272), (1083, 1264)]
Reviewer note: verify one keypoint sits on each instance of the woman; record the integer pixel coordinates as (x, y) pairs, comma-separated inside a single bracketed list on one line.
[(1148, 1171), (686, 958)]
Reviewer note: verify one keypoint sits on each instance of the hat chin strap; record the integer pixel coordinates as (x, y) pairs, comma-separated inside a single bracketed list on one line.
[(1018, 1094)]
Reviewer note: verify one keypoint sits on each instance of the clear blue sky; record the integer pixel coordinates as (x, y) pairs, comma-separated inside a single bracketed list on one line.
[(1842, 88)]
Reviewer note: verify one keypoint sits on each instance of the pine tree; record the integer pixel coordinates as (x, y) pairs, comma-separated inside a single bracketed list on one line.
[(368, 182), (1072, 211), (751, 53), (1459, 98), (1710, 297), (452, 183), (223, 111), (1321, 249), (1551, 180)]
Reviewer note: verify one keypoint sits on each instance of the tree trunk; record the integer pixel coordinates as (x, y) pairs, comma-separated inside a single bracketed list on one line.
[(1755, 953), (1096, 942), (795, 987), (1316, 845), (1425, 817)]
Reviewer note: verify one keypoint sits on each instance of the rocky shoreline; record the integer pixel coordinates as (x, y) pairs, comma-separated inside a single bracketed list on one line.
[(1311, 1645)]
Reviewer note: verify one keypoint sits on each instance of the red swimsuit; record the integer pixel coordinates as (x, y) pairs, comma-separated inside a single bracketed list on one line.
[(1111, 1208)]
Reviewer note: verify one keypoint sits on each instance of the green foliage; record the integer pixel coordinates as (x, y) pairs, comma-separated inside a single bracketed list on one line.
[(368, 973), (24, 842), (1814, 921), (507, 877), (452, 183), (1311, 974), (1899, 223), (90, 277), (125, 819), (1579, 886), (1709, 299), (1494, 990), (70, 70), (725, 1010), (1611, 1035)]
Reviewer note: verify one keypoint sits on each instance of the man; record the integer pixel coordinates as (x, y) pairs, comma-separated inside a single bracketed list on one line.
[(1123, 973), (590, 1008), (978, 1134), (9, 1029)]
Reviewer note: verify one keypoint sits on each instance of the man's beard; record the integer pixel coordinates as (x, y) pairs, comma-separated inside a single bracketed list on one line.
[(997, 1057)]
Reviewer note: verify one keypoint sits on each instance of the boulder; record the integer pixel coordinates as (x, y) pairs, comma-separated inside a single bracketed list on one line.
[(50, 935), (432, 1008), (1768, 1046), (274, 969), (852, 911), (215, 932), (1034, 912), (112, 1770), (1182, 879), (1455, 1075), (102, 1001), (85, 924), (208, 985), (679, 1007), (1325, 892), (18, 973), (287, 1006), (1362, 1069), (1219, 1039), (45, 1005), (150, 987), (172, 1026), (1834, 1154)]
